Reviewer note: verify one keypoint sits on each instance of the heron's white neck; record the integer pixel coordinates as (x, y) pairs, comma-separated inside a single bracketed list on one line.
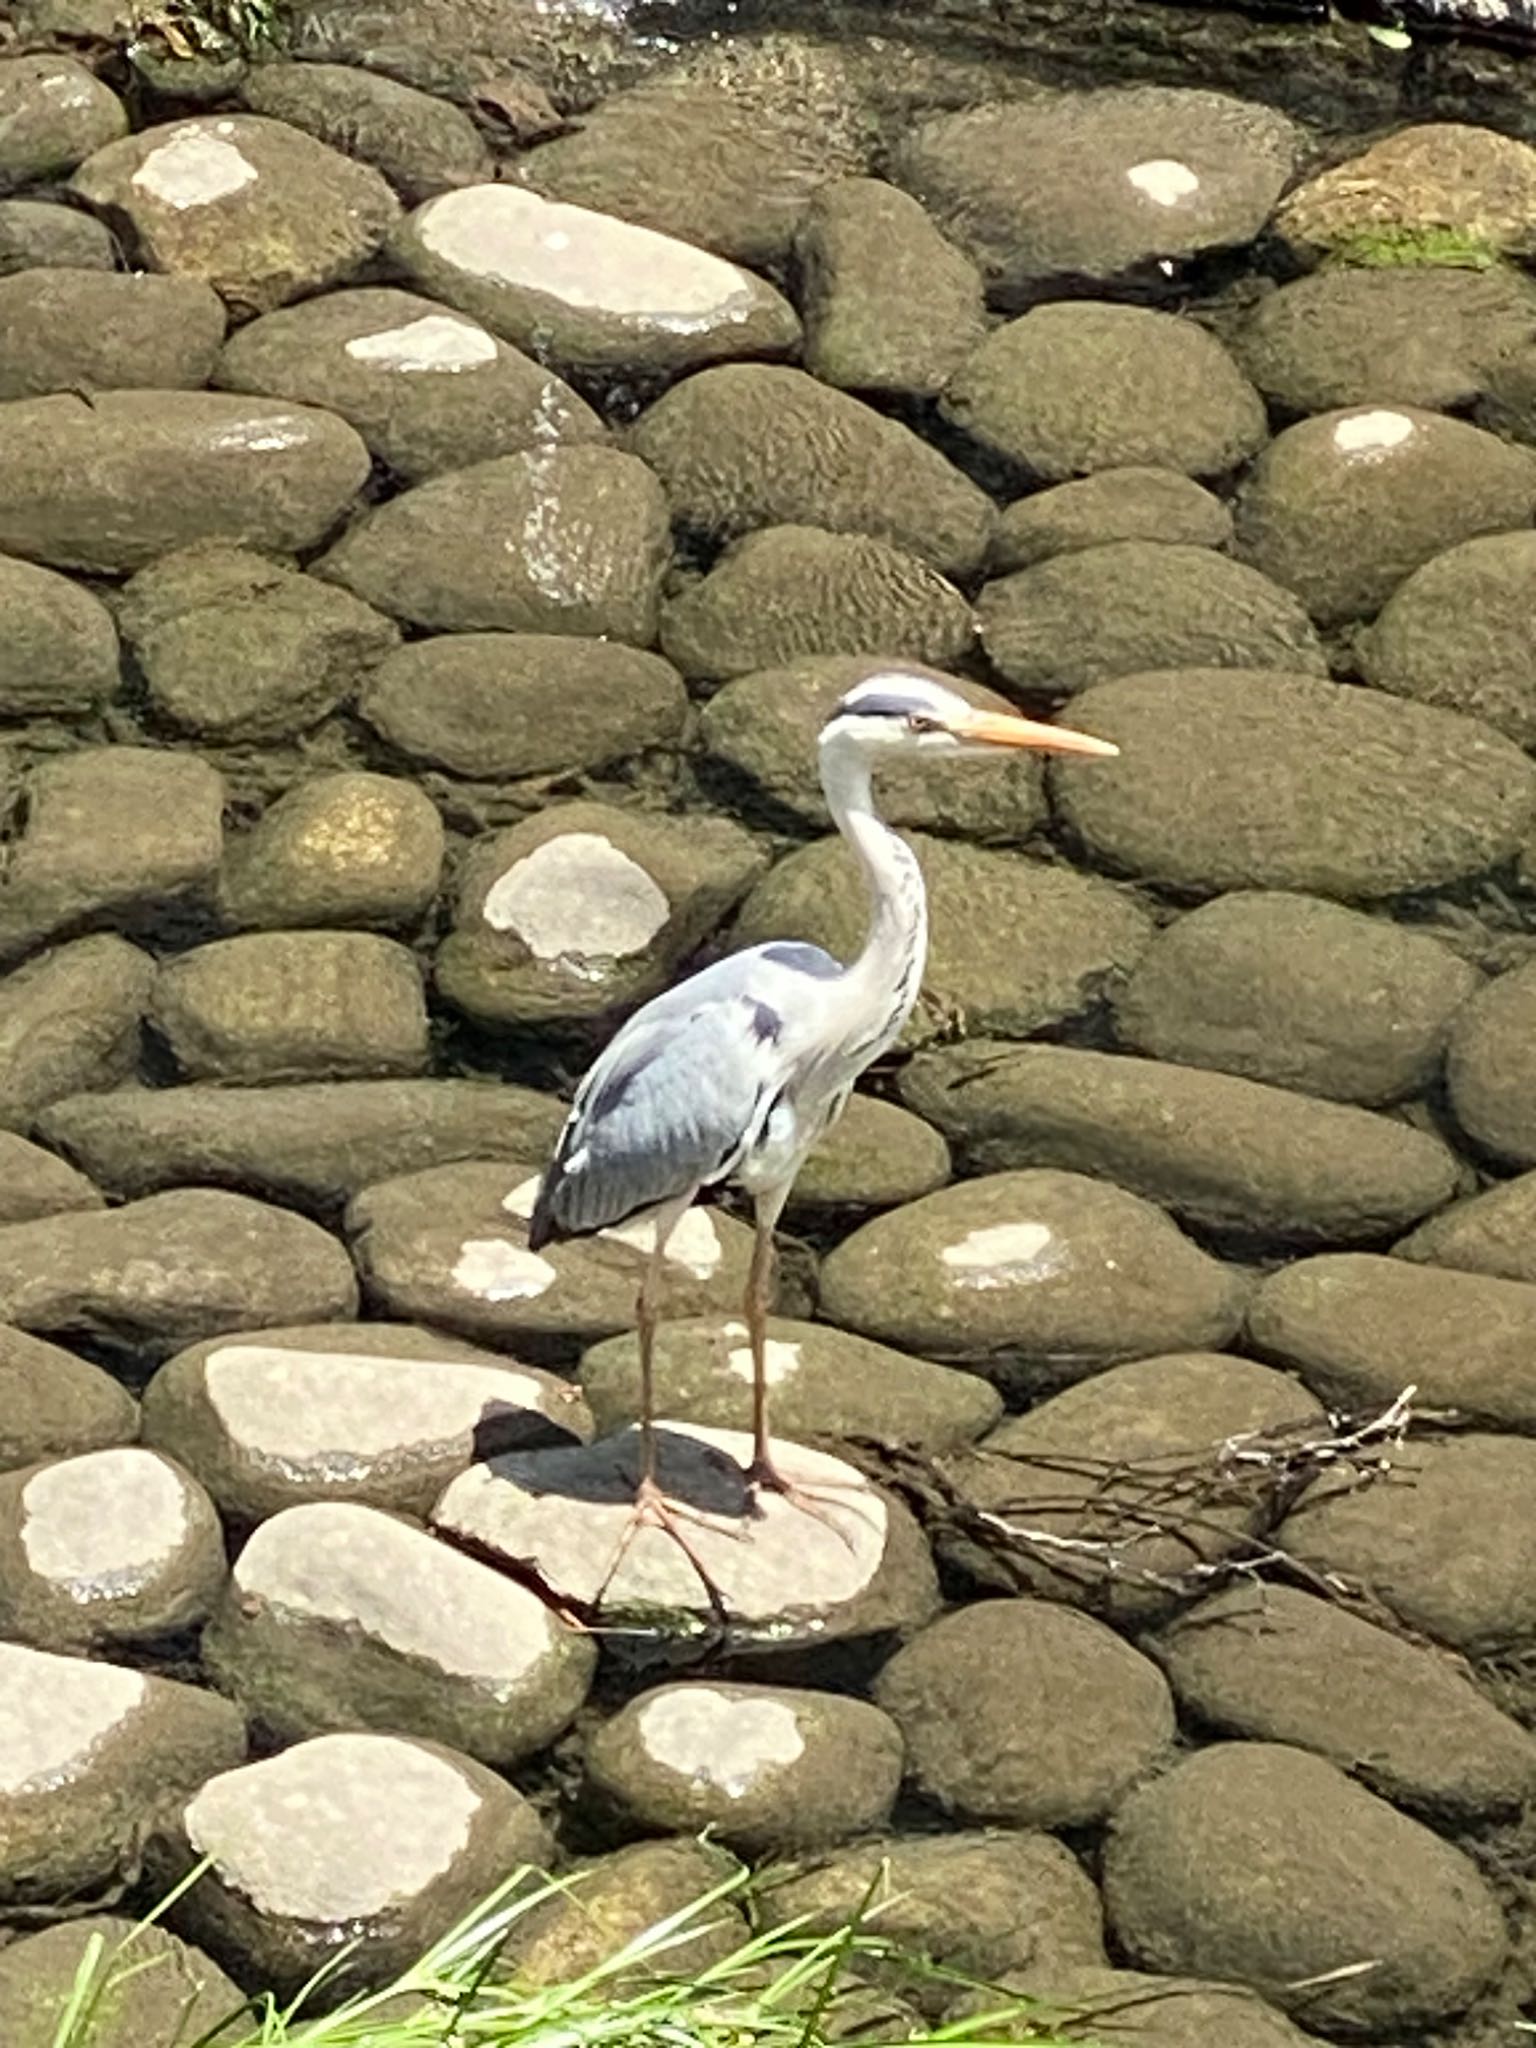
[(885, 978)]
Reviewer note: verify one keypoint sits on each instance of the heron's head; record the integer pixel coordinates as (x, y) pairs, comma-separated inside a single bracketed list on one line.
[(900, 711)]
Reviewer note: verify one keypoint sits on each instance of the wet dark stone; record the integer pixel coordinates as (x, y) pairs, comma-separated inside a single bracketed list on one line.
[(1456, 633), (68, 330), (420, 144), (53, 113), (1021, 1712), (1135, 605), (41, 234), (1230, 780), (1229, 1867), (1134, 503)]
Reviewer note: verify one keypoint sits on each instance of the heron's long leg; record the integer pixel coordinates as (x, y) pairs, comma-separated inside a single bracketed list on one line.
[(759, 1292), (647, 1309)]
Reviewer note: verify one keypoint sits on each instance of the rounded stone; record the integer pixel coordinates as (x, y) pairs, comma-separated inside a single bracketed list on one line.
[(35, 1182), (69, 1020), (827, 1384), (1133, 503), (427, 389), (1456, 633), (91, 1754), (1299, 992), (449, 1247), (722, 167), (109, 1548), (479, 704), (876, 1155), (262, 660), (1117, 187), (889, 304), (1412, 334), (110, 485), (148, 1985), (311, 1145), (1494, 1232), (1275, 1664), (586, 907), (1018, 944), (60, 650), (585, 289), (593, 546), (765, 726), (1342, 507), (150, 855), (53, 1404), (1436, 188), (418, 142), (348, 848), (160, 1273), (1230, 1867), (1223, 1153), (616, 1903), (1135, 605), (1106, 1466), (1144, 2011), (42, 234), (1024, 1713), (980, 1902), (764, 1768), (1359, 1329), (373, 1839), (382, 1413), (1491, 1069), (794, 592), (255, 208), (1035, 1276), (292, 1006), (751, 445), (340, 1616), (1238, 781), (1448, 1543), (1076, 387), (71, 330), (53, 113), (762, 1571)]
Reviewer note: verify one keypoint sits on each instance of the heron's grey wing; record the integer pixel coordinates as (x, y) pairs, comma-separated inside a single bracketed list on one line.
[(671, 1104)]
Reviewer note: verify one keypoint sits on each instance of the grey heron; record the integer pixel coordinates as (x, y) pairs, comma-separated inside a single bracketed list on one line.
[(734, 1074)]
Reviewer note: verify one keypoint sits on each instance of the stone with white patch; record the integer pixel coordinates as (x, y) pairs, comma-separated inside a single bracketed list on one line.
[(371, 1839), (765, 1769), (374, 1412), (258, 209), (340, 1616), (584, 909), (827, 1384), (428, 390), (449, 1247), (113, 1547), (587, 289), (87, 1753), (53, 112), (1342, 507), (1120, 1279), (783, 1577), (1107, 190)]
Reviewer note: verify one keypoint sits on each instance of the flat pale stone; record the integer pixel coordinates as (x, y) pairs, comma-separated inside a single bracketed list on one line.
[(376, 1412), (339, 1616), (64, 1530), (596, 292), (96, 1700), (577, 894), (783, 1576)]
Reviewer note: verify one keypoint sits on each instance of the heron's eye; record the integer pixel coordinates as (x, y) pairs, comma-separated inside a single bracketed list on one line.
[(917, 721)]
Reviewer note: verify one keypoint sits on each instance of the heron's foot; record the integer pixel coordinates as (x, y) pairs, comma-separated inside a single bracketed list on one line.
[(817, 1501), (654, 1509)]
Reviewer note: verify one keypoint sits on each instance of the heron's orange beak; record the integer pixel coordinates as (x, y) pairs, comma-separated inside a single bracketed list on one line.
[(996, 729)]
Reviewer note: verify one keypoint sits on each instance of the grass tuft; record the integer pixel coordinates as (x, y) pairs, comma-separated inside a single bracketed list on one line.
[(786, 1987)]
